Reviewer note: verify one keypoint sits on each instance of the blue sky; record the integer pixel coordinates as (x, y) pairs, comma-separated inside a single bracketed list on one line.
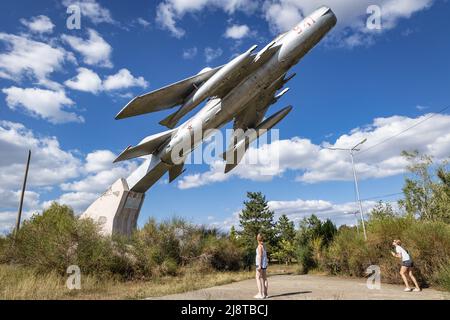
[(356, 84)]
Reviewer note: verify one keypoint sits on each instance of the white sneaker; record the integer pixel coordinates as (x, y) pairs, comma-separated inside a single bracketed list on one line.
[(408, 290), (258, 296), (417, 289)]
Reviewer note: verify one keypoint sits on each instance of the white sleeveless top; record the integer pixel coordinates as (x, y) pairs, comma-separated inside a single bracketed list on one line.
[(264, 257)]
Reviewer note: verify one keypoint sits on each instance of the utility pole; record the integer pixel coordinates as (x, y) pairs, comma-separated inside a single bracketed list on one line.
[(19, 214), (352, 151)]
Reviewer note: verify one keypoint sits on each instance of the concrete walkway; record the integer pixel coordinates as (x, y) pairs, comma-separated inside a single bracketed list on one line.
[(308, 287)]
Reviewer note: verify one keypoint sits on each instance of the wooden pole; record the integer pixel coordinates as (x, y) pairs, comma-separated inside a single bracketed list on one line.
[(19, 214)]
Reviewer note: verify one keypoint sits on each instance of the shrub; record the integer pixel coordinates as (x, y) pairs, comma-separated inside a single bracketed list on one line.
[(347, 254), (442, 276), (305, 259), (47, 241), (427, 242)]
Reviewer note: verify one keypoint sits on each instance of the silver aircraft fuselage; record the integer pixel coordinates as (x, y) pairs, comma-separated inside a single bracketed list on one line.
[(294, 45)]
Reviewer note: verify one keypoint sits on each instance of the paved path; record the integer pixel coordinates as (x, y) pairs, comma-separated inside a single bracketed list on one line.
[(308, 287)]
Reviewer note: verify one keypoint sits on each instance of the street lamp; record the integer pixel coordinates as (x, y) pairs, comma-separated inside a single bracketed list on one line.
[(352, 151)]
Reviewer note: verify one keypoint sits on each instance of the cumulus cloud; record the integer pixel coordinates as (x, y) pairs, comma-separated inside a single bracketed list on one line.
[(95, 50), (296, 210), (86, 80), (50, 164), (89, 81), (92, 10), (190, 53), (26, 58), (237, 31), (170, 11), (123, 79), (42, 103), (352, 15), (314, 163), (99, 172), (40, 24), (81, 179), (144, 23), (212, 54), (282, 15)]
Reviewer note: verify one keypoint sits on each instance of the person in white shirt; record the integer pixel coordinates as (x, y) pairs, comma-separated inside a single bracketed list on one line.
[(407, 265)]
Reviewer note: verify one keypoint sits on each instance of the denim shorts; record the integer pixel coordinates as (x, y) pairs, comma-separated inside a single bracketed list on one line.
[(408, 264)]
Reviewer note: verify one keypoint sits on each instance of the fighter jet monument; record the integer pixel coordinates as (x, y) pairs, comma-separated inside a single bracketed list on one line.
[(240, 91)]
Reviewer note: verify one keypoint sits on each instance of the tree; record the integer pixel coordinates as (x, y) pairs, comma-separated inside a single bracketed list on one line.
[(285, 229), (382, 211), (256, 217), (285, 235), (427, 193), (312, 236), (233, 234)]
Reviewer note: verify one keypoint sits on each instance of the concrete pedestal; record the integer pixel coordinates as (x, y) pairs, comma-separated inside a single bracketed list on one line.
[(117, 210)]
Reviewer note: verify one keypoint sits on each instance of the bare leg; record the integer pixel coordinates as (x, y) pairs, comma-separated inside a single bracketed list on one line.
[(413, 279), (266, 283), (259, 283), (403, 272)]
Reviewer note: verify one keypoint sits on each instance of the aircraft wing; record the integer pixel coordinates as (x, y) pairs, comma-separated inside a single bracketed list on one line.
[(165, 98), (146, 146)]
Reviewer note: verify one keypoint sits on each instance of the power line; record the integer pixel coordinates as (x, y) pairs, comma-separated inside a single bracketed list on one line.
[(402, 132), (383, 196)]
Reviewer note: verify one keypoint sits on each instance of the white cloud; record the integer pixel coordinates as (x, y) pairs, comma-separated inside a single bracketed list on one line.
[(169, 11), (92, 10), (10, 199), (89, 81), (190, 53), (39, 24), (49, 164), (143, 22), (31, 59), (8, 220), (314, 164), (82, 180), (99, 172), (95, 50), (212, 54), (352, 15), (165, 17), (298, 209), (86, 80), (99, 160), (42, 103), (237, 31), (284, 14), (122, 80)]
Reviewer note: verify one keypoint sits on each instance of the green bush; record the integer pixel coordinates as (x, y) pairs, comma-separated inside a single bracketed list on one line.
[(442, 276), (47, 241), (427, 242), (305, 259)]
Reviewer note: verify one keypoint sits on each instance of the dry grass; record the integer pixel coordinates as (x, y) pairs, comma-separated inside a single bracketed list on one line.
[(23, 283)]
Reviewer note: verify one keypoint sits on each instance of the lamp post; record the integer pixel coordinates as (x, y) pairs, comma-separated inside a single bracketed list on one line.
[(352, 152)]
